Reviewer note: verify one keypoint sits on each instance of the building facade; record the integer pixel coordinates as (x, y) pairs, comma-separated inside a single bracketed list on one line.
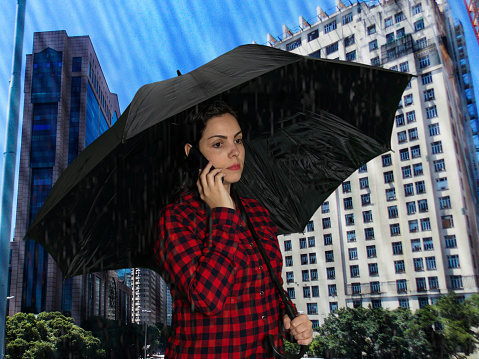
[(67, 106), (403, 229)]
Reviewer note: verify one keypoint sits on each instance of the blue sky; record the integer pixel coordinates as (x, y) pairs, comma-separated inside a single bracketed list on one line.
[(139, 42)]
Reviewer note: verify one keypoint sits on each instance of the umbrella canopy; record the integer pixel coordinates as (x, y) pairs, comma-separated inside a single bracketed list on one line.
[(308, 124)]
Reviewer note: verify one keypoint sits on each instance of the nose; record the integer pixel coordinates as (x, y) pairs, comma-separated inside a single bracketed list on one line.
[(234, 151)]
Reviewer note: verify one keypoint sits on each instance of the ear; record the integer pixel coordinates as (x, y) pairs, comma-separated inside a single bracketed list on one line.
[(187, 149)]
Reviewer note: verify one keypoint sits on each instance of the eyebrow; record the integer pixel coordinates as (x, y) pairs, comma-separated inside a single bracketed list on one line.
[(224, 137)]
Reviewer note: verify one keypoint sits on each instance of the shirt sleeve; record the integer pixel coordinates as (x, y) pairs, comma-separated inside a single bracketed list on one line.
[(201, 269)]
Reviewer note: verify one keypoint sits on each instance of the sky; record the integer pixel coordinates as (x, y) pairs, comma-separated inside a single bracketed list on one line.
[(139, 42)]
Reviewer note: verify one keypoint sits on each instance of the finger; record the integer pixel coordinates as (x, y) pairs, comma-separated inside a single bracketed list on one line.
[(211, 176), (286, 322)]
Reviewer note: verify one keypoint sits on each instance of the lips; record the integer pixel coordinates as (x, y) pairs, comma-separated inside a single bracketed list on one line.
[(234, 167)]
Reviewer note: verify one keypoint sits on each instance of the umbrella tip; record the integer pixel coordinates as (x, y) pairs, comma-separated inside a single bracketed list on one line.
[(178, 72)]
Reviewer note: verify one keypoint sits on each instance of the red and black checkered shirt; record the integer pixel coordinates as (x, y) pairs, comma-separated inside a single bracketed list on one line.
[(225, 302)]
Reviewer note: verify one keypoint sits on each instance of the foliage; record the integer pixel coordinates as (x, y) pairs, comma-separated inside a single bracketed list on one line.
[(48, 335)]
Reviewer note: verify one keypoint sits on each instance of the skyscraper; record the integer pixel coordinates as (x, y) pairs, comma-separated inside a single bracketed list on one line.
[(403, 229), (67, 106)]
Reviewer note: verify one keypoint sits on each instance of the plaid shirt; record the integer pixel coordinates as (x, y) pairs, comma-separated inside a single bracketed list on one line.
[(225, 302)]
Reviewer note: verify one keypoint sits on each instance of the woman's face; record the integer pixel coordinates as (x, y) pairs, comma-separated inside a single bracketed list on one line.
[(222, 144)]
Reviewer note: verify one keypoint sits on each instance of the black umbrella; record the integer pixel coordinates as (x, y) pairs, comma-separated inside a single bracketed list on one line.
[(309, 124)]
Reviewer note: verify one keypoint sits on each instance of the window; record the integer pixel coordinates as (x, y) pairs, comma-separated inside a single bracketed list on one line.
[(348, 203), (447, 221), (312, 258), (289, 261), (441, 184), (331, 273), (404, 154), (408, 189), (310, 226), (388, 177), (346, 187), (326, 224), (428, 244), (363, 168), (421, 284), (408, 100), (431, 112), (365, 199), (450, 241), (369, 233), (402, 137), (423, 301), (404, 67), (316, 54), (401, 285), (430, 263), (445, 202), (406, 172), (329, 255), (387, 161), (390, 194), (375, 61), (347, 18), (364, 182), (333, 307), (416, 9), (417, 168), (351, 56), (429, 95), (373, 45), (332, 48), (289, 277), (349, 218), (306, 292), (416, 245), (311, 242), (348, 41), (315, 291), (397, 247), (456, 282), (394, 229), (373, 269), (411, 207), (399, 266), (419, 25), (424, 62), (312, 308), (354, 271), (325, 207), (302, 243), (404, 302), (422, 205), (305, 275), (426, 78), (433, 282), (413, 226), (356, 288), (425, 224), (376, 303), (399, 17), (293, 45), (388, 21), (304, 259), (420, 187), (413, 134), (415, 150), (389, 39), (393, 212), (351, 235), (375, 287), (400, 120), (418, 264), (371, 251), (330, 27), (371, 29), (353, 253), (332, 290), (287, 246), (367, 216), (291, 293), (411, 116), (328, 239), (314, 274), (76, 64), (436, 147), (313, 35), (400, 33)]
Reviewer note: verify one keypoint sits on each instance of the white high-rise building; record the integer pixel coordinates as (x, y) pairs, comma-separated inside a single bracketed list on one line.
[(403, 229)]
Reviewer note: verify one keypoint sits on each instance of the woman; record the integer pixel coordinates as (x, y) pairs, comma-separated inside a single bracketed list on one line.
[(225, 302)]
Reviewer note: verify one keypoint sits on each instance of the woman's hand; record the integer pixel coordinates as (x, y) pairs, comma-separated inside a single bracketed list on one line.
[(300, 328), (211, 188)]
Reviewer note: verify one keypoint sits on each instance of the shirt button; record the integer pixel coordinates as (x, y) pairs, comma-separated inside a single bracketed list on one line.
[(262, 292), (261, 267), (251, 244), (270, 237), (263, 317)]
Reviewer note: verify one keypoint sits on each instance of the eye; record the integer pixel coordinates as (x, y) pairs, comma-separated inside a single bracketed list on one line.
[(239, 141), (217, 144)]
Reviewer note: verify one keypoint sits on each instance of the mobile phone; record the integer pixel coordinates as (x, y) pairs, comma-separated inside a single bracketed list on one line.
[(195, 161)]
